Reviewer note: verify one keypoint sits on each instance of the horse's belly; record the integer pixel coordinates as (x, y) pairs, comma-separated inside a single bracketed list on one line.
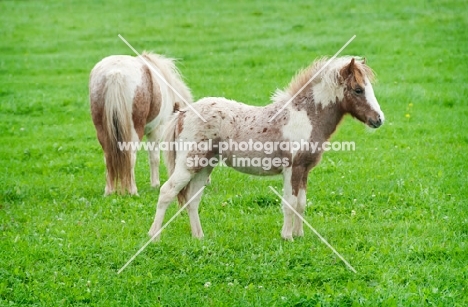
[(259, 171), (255, 165)]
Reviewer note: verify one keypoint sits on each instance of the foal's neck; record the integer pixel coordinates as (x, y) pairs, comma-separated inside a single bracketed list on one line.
[(324, 118), (328, 118)]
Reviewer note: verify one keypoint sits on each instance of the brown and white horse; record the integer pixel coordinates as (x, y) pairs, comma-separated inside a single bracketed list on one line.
[(129, 100), (342, 87)]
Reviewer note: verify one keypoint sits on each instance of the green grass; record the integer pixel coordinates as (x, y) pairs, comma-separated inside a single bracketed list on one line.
[(62, 242)]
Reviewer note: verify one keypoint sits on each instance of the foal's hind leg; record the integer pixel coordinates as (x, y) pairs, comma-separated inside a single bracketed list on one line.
[(154, 157), (178, 180), (300, 184), (197, 182)]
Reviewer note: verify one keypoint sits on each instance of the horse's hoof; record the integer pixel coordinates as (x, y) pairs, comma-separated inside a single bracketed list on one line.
[(154, 238), (108, 192), (299, 233), (198, 236)]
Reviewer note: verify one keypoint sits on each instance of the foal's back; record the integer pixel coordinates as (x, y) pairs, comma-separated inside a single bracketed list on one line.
[(229, 119)]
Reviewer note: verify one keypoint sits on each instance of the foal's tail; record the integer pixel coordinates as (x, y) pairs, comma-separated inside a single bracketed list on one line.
[(118, 129), (169, 136)]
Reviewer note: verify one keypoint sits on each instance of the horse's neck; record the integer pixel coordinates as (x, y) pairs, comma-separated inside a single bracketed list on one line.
[(327, 120), (324, 119)]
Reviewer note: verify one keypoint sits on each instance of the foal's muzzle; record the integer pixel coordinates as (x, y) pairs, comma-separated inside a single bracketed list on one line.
[(375, 123)]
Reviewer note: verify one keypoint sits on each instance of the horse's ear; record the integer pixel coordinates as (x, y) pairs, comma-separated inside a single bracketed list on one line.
[(364, 61), (348, 69)]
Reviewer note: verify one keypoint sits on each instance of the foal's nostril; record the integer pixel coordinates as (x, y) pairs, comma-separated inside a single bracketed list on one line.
[(377, 123)]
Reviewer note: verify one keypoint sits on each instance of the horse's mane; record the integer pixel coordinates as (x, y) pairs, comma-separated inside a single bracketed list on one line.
[(329, 76), (171, 74)]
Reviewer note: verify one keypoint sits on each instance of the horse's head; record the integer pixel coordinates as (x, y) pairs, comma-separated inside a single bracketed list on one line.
[(359, 99)]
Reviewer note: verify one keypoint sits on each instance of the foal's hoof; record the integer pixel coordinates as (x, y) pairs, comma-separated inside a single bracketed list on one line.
[(287, 238), (155, 185), (298, 233), (198, 236), (154, 238)]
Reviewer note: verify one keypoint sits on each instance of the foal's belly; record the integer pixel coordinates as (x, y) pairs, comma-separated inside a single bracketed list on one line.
[(258, 171), (261, 165)]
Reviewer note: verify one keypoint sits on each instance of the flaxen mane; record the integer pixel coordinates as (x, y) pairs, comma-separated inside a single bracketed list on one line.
[(329, 77)]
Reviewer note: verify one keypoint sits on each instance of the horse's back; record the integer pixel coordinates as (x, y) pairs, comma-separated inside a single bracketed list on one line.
[(129, 68), (225, 119), (219, 107)]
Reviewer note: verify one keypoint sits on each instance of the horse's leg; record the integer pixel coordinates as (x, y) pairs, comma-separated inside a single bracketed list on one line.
[(169, 190), (154, 156), (298, 230), (109, 189), (286, 232), (197, 182), (109, 181), (300, 185), (133, 188)]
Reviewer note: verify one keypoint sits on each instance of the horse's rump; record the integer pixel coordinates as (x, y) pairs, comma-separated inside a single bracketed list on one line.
[(131, 97)]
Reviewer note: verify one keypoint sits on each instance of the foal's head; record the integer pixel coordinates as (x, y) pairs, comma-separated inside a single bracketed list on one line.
[(359, 99)]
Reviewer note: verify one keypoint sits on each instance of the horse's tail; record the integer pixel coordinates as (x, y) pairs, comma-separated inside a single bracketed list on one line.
[(117, 124), (170, 134)]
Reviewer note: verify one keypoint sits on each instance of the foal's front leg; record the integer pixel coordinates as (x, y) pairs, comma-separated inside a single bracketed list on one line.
[(289, 201), (300, 185), (298, 230)]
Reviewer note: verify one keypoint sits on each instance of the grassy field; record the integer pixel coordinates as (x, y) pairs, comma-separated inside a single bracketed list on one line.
[(396, 208)]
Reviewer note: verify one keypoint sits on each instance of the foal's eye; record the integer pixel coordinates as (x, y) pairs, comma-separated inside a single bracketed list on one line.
[(358, 90)]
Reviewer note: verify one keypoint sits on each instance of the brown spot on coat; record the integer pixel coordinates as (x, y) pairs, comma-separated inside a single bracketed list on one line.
[(144, 110)]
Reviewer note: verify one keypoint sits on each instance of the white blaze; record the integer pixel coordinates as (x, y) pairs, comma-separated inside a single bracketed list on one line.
[(370, 97)]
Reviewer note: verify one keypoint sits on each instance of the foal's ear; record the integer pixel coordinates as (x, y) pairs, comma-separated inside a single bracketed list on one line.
[(348, 70), (364, 60)]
